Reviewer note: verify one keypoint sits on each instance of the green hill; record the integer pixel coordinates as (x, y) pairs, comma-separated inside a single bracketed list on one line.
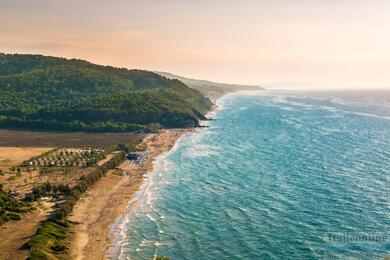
[(210, 88), (39, 92)]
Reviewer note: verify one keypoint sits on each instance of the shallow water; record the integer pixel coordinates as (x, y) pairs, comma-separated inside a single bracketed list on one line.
[(277, 175)]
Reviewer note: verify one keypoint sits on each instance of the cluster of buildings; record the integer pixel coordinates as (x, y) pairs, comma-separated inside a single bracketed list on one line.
[(138, 157)]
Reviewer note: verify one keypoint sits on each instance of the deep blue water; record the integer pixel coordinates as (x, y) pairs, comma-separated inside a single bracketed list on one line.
[(277, 175)]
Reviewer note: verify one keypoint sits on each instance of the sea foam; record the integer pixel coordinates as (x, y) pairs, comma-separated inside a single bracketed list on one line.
[(272, 181)]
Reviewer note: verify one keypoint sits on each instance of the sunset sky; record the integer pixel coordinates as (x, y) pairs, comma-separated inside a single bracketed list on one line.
[(337, 43)]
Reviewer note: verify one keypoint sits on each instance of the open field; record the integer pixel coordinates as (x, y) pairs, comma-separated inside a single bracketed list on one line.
[(14, 155), (16, 138)]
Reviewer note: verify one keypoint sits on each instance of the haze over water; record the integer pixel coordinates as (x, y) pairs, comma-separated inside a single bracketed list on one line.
[(277, 175), (335, 43)]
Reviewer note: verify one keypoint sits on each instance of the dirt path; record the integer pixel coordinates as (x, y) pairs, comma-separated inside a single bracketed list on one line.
[(108, 157), (14, 234)]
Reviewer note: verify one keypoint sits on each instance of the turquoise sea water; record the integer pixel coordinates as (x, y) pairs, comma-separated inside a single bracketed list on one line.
[(277, 175)]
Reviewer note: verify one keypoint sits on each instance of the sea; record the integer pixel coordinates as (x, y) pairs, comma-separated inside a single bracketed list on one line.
[(275, 175)]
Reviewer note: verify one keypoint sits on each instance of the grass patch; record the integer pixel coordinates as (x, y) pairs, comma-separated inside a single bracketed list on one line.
[(48, 241)]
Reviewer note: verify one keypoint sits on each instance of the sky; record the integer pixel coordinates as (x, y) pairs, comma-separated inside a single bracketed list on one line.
[(331, 43)]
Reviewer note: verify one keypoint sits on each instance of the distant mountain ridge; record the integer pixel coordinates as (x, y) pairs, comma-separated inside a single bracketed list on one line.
[(210, 88), (42, 92)]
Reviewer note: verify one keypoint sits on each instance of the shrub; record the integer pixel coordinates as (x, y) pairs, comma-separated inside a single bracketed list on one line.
[(9, 207), (58, 247), (13, 216), (37, 254)]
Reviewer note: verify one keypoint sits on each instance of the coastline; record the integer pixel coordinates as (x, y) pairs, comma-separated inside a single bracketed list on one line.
[(117, 231), (113, 196), (100, 215)]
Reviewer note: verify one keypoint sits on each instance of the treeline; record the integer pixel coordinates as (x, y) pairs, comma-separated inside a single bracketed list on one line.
[(129, 147), (45, 189), (49, 93), (86, 181), (108, 126)]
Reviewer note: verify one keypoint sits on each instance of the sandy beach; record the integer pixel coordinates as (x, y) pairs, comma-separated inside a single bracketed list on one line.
[(100, 207)]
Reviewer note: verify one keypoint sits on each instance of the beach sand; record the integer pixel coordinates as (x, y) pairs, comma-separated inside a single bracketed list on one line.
[(100, 207)]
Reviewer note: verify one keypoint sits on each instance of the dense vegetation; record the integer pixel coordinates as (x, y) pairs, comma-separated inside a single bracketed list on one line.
[(39, 92), (10, 207)]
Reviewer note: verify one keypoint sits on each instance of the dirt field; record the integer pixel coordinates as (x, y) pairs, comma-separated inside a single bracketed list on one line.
[(16, 138), (14, 155)]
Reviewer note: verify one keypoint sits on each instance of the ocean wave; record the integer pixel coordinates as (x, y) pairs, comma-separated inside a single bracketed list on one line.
[(280, 174), (200, 150)]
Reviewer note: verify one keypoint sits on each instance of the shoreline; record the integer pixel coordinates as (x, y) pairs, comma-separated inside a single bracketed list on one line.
[(116, 233), (101, 209), (100, 217), (118, 230)]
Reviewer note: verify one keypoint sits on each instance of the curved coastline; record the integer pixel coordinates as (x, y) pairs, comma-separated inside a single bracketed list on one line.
[(202, 202), (117, 233), (111, 198)]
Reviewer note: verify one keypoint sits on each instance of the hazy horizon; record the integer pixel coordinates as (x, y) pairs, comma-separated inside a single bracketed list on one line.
[(334, 44)]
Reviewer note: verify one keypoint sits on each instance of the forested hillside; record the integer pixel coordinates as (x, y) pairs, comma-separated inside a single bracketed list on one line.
[(39, 92)]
